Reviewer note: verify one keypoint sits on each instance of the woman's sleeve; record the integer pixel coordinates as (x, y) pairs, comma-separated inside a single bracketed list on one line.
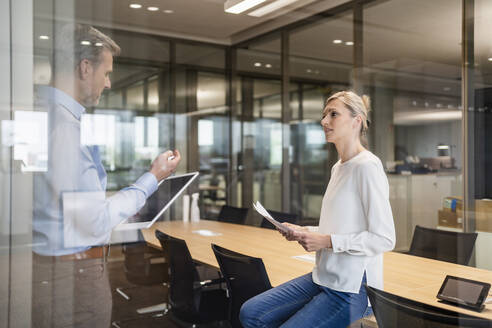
[(380, 234)]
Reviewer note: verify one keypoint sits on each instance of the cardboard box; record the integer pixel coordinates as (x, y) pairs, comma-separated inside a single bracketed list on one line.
[(447, 218), (483, 214)]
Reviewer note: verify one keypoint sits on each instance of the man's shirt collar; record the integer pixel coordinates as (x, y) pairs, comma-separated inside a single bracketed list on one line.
[(58, 97)]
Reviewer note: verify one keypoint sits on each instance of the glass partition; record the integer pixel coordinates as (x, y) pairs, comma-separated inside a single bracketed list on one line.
[(260, 160), (416, 100), (320, 58), (480, 82), (219, 101)]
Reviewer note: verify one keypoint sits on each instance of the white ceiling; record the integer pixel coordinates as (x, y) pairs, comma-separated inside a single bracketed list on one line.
[(202, 20), (411, 45)]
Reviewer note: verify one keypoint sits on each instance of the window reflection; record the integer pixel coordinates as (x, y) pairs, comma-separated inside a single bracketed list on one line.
[(28, 134), (173, 93)]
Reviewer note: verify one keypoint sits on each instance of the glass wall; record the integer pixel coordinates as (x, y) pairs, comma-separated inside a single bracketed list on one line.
[(416, 98), (320, 63), (240, 114), (480, 84), (260, 161)]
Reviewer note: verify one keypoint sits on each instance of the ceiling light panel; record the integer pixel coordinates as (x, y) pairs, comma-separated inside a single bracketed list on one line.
[(270, 8), (239, 6)]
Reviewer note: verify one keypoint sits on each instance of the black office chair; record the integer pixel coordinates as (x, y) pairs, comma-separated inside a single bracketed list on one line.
[(245, 277), (190, 299), (147, 272), (394, 311), (232, 214), (448, 246), (143, 264), (281, 217)]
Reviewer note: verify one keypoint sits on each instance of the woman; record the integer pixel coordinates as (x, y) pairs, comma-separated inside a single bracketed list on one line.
[(355, 229)]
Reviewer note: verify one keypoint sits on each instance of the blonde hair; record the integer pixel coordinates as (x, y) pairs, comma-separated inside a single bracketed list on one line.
[(356, 105)]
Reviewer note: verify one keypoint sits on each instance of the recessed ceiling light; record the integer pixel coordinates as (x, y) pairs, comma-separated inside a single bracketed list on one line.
[(168, 11), (152, 8), (268, 65), (98, 44), (44, 37), (257, 64), (337, 41), (490, 58), (349, 43), (85, 43), (308, 70), (135, 6)]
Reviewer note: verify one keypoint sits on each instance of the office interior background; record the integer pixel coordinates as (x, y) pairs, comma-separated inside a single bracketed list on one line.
[(241, 97)]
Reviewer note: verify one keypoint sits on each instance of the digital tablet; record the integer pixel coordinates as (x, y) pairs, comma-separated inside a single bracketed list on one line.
[(168, 191), (464, 292)]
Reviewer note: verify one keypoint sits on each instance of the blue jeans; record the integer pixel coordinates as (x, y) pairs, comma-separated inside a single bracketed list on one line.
[(303, 303)]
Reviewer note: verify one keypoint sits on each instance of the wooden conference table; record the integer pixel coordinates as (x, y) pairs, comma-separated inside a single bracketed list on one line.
[(404, 275)]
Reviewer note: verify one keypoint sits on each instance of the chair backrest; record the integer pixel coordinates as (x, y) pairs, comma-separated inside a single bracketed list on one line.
[(394, 311), (183, 274), (141, 267), (281, 217), (245, 277), (449, 246), (232, 214)]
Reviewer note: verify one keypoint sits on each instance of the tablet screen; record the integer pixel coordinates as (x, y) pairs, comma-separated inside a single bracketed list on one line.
[(168, 190), (467, 291)]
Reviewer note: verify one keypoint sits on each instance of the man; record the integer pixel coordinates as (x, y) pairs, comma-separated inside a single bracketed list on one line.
[(70, 286)]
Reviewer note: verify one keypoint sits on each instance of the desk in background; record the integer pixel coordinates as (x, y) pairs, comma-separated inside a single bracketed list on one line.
[(408, 276)]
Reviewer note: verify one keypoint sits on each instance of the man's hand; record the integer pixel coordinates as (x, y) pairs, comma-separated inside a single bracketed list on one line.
[(290, 235), (313, 241), (162, 166)]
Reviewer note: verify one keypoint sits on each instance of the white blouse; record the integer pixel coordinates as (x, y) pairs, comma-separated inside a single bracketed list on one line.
[(357, 214)]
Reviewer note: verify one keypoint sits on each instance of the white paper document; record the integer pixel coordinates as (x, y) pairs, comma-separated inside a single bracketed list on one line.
[(207, 233), (311, 258), (260, 209)]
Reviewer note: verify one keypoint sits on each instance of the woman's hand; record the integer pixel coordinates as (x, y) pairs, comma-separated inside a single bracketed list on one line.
[(290, 234), (312, 241)]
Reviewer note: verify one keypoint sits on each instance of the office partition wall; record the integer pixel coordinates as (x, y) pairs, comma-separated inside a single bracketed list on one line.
[(246, 114)]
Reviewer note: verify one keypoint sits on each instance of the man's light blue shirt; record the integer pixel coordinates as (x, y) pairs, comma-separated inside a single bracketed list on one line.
[(74, 167)]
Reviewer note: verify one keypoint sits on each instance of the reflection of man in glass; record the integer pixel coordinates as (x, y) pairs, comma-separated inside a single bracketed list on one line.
[(68, 286)]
